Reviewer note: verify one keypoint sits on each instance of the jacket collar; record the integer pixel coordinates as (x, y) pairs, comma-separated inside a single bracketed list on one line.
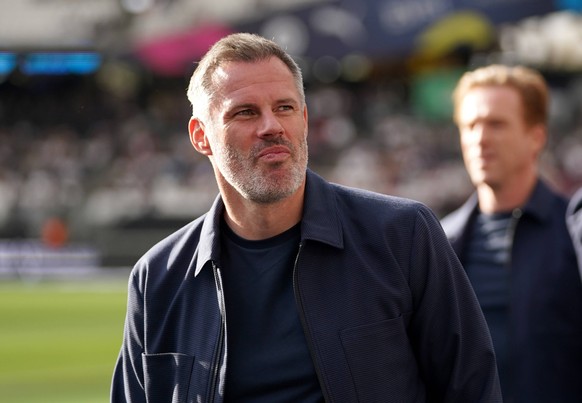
[(538, 207), (540, 202), (209, 241), (320, 221)]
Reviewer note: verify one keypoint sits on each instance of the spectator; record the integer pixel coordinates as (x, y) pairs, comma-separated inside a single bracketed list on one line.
[(512, 238)]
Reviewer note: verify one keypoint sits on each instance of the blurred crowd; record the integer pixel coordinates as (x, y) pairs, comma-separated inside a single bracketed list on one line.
[(73, 150)]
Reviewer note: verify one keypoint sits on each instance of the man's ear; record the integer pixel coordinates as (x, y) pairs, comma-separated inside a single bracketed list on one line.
[(198, 136), (305, 118), (540, 137)]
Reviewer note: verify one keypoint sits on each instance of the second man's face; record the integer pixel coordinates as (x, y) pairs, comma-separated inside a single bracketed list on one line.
[(497, 144), (257, 130)]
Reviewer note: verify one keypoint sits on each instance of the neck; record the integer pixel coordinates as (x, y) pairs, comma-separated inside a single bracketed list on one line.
[(506, 197), (255, 221)]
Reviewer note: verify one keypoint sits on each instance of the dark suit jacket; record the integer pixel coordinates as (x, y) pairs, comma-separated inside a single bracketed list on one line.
[(546, 298), (387, 310), (574, 221)]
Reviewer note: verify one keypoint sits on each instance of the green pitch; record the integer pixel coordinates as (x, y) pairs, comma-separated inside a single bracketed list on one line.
[(59, 341)]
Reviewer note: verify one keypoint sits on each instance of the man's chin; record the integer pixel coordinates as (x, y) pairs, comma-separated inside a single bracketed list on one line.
[(482, 178), (490, 182)]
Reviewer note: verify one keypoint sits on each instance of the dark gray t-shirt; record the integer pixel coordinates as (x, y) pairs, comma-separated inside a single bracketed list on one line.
[(487, 262), (268, 357)]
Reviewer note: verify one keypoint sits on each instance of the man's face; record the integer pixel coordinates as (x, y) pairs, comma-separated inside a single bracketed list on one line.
[(497, 144), (257, 130)]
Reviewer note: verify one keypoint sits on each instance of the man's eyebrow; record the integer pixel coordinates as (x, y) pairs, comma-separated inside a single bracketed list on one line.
[(242, 105), (287, 101)]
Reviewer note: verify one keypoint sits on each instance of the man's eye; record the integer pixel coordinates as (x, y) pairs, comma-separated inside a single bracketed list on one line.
[(245, 112), (286, 108), (497, 124)]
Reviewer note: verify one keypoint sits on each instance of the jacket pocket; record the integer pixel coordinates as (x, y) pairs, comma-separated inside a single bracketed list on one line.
[(167, 377), (382, 362)]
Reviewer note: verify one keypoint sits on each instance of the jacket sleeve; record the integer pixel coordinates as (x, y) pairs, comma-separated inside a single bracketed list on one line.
[(128, 377), (574, 222), (449, 332)]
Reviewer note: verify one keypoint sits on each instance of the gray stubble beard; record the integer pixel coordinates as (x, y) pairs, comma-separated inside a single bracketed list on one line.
[(239, 171)]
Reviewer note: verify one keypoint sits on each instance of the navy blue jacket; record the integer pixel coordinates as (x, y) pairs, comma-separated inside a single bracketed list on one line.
[(546, 298), (574, 222), (388, 312)]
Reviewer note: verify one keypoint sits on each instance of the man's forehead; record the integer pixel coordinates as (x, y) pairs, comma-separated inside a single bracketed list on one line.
[(253, 78), (488, 100), (244, 70)]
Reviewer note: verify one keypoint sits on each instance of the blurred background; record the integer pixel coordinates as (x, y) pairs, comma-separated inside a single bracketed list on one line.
[(94, 148), (96, 165)]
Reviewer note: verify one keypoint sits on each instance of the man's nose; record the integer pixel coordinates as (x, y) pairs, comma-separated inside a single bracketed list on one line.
[(269, 125), (479, 134)]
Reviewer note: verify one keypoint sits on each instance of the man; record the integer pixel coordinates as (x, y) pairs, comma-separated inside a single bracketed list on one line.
[(512, 237), (291, 289), (574, 222)]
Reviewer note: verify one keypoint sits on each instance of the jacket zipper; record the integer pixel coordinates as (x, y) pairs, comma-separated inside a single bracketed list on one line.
[(306, 327), (220, 345), (515, 216)]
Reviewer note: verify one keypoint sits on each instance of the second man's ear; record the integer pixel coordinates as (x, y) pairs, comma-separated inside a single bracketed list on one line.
[(198, 136)]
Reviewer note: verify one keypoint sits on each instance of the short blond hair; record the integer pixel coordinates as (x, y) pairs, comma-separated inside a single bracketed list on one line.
[(529, 84), (237, 47)]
